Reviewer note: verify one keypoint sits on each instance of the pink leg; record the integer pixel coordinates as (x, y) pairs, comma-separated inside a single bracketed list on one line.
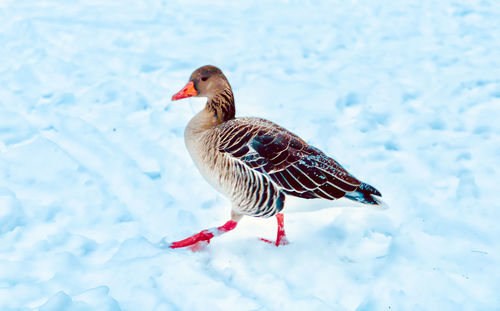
[(281, 237), (205, 235)]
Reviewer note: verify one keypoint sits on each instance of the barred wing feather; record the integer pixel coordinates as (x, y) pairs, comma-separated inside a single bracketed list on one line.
[(299, 169)]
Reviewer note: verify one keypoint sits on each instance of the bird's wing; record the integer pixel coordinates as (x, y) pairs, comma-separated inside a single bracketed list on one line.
[(299, 169)]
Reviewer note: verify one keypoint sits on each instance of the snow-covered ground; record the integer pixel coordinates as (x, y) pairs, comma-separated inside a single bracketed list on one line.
[(94, 172)]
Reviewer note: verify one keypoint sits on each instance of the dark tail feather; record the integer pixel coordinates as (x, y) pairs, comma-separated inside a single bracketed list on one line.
[(364, 194)]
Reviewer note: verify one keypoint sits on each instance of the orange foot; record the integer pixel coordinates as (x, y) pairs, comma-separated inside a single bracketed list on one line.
[(202, 239)]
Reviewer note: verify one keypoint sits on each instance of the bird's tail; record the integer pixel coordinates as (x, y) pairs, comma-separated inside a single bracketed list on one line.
[(365, 194)]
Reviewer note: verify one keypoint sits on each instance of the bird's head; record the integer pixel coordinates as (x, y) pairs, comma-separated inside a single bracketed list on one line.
[(206, 81)]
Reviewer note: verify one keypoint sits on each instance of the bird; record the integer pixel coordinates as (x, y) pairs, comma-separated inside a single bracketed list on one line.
[(255, 162)]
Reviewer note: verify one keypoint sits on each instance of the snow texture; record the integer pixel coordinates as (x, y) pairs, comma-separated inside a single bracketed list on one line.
[(94, 172)]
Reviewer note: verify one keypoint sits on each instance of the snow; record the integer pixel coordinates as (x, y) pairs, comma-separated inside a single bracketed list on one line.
[(94, 171)]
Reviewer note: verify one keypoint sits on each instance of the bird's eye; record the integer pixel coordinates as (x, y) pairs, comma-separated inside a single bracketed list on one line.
[(204, 78)]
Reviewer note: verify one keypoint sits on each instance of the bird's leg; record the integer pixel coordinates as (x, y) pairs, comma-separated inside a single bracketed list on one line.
[(281, 237), (206, 235)]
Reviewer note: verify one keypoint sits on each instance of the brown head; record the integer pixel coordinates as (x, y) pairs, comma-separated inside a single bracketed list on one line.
[(209, 81)]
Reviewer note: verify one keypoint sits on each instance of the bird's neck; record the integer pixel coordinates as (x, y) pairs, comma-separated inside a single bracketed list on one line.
[(219, 108), (221, 105), (201, 122)]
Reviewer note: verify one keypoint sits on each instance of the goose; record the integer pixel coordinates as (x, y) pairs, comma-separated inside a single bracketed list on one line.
[(255, 162)]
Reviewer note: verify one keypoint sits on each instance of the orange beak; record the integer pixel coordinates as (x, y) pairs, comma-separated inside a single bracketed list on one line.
[(187, 91)]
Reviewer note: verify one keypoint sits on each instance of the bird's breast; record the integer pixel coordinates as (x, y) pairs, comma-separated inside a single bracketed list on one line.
[(201, 145)]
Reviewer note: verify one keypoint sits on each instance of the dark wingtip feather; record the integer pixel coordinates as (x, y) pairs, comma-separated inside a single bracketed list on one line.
[(362, 197), (364, 194), (370, 189)]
